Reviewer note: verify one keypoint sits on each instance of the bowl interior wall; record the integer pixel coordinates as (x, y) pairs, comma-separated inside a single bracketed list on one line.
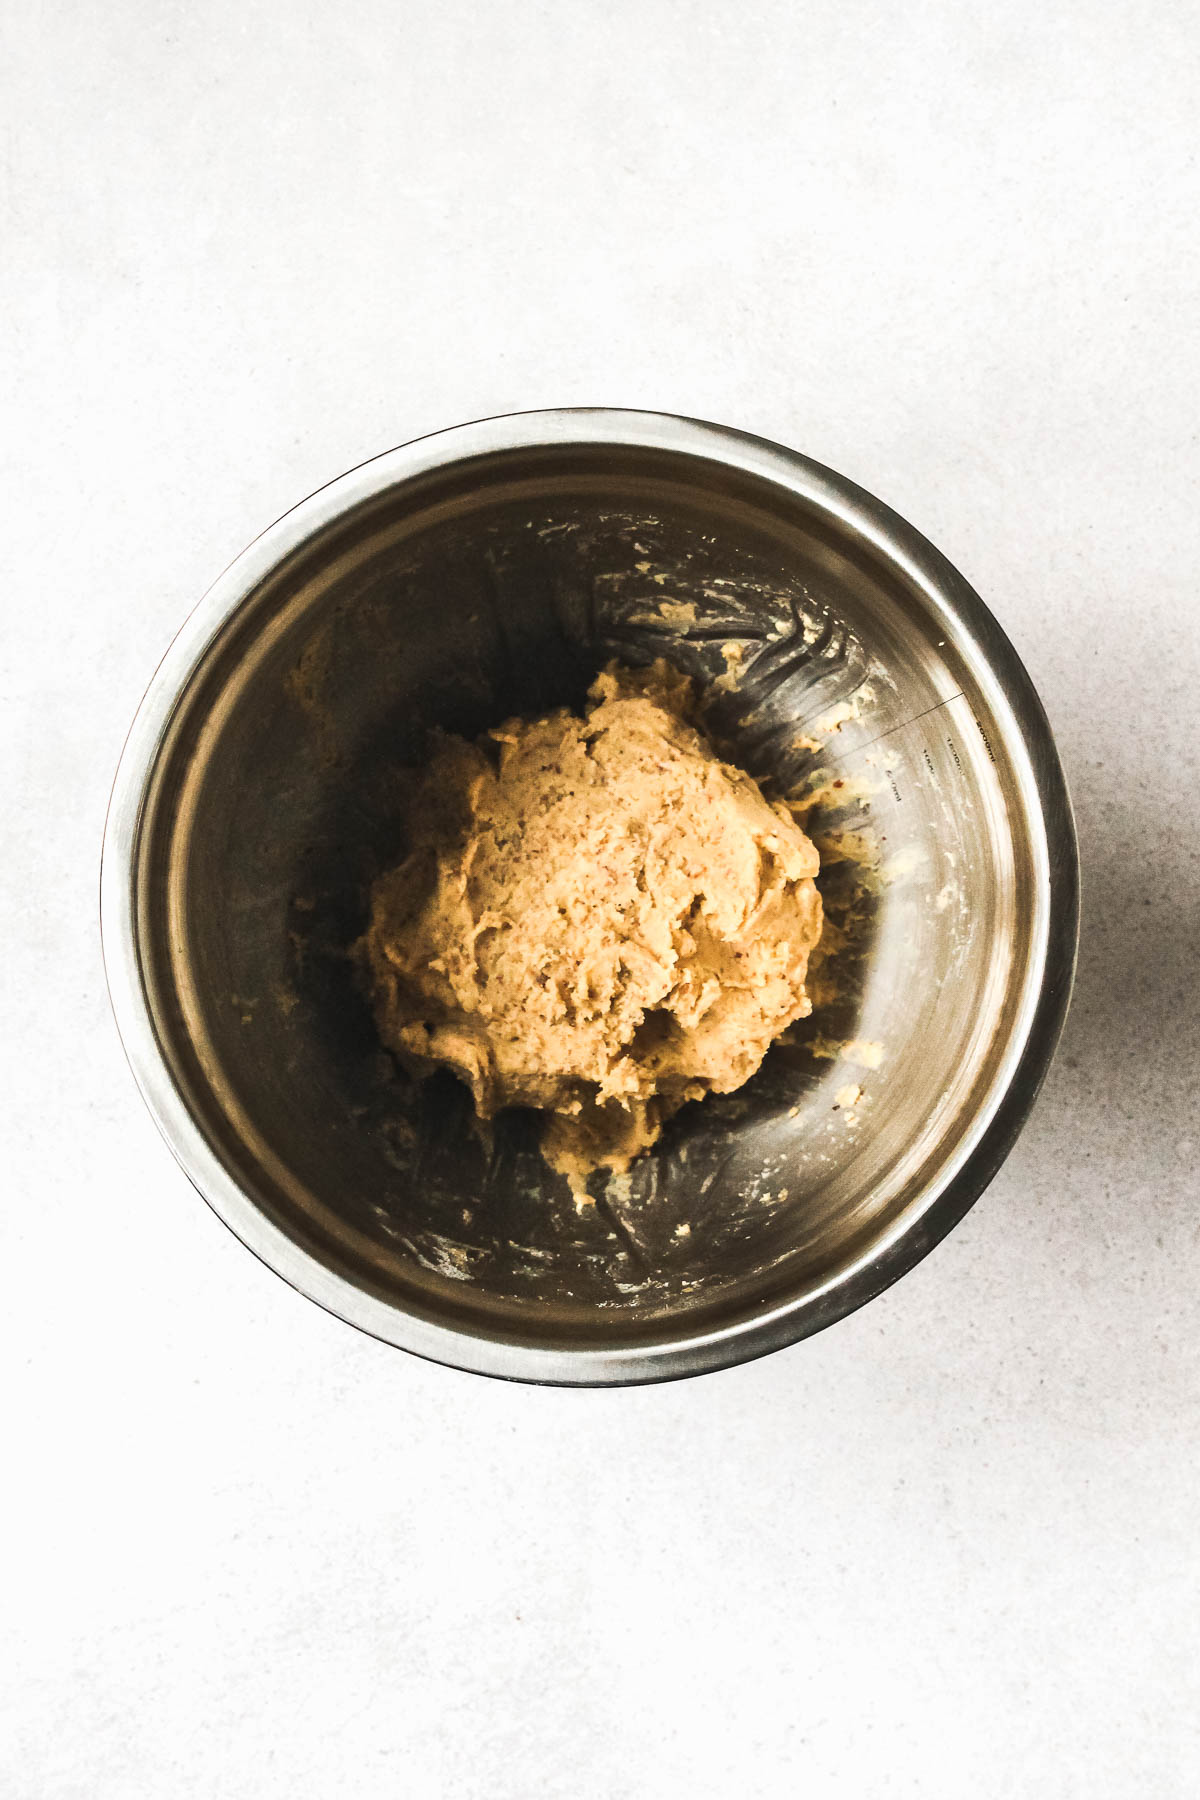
[(497, 587)]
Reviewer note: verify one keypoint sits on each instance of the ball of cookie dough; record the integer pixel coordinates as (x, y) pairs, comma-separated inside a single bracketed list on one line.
[(597, 917)]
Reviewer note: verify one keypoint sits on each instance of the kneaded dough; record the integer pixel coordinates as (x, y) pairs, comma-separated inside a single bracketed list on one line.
[(598, 917)]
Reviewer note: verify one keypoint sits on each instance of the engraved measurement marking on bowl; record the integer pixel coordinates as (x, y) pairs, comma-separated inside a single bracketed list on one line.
[(905, 723)]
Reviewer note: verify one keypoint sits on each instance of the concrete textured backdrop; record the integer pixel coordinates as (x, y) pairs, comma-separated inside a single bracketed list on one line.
[(951, 1546)]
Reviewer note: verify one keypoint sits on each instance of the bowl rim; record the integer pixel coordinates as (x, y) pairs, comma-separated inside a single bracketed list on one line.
[(1036, 1029)]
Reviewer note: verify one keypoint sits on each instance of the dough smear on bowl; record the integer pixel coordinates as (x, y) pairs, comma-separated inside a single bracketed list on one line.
[(598, 917)]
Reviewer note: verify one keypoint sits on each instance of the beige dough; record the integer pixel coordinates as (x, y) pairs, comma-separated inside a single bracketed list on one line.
[(598, 917)]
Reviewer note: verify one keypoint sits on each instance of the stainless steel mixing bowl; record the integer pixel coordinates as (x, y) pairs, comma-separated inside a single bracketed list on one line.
[(488, 571)]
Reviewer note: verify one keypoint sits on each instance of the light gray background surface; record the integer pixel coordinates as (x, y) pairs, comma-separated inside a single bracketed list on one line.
[(949, 1548)]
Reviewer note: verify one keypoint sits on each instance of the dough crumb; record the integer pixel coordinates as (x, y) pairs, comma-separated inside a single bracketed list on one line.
[(597, 917)]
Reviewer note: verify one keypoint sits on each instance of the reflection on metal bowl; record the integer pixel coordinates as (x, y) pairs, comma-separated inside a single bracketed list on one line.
[(487, 571)]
